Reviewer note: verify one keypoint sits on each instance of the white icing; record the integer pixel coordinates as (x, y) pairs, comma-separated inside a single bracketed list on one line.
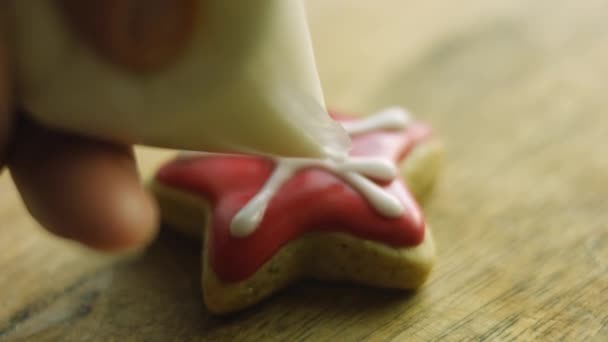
[(394, 118), (385, 203), (249, 217), (356, 171), (377, 168)]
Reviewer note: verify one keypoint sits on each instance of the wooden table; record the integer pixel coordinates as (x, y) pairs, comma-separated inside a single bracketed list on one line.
[(518, 89)]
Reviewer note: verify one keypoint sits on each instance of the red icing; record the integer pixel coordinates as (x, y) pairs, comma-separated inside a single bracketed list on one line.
[(313, 200)]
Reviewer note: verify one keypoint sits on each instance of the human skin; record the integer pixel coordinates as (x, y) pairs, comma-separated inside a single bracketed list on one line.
[(76, 187), (112, 70)]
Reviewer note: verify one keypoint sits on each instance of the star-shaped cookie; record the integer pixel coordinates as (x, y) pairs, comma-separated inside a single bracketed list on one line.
[(264, 228)]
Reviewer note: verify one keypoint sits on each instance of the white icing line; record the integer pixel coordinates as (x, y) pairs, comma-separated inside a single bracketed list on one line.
[(250, 216), (378, 168), (353, 170), (385, 203), (394, 118)]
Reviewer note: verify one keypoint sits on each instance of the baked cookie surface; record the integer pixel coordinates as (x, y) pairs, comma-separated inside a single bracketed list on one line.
[(265, 227)]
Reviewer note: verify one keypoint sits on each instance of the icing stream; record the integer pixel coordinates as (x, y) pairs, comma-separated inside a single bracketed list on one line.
[(356, 171), (394, 118)]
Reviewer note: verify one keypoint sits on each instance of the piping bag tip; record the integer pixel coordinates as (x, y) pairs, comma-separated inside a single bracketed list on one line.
[(330, 137), (326, 137)]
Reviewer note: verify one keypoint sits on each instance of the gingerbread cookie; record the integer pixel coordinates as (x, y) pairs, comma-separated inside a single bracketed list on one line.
[(268, 222)]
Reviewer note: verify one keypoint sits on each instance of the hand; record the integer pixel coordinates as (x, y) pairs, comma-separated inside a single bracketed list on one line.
[(76, 187)]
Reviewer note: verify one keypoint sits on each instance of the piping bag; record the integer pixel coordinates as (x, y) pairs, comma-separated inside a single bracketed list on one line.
[(228, 76)]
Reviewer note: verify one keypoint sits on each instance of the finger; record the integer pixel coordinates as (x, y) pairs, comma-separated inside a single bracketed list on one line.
[(5, 117), (82, 189), (143, 35)]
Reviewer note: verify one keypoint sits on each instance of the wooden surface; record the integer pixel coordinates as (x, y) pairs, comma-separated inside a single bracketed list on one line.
[(517, 89)]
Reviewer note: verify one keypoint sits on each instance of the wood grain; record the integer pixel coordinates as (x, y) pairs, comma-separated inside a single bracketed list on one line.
[(517, 90)]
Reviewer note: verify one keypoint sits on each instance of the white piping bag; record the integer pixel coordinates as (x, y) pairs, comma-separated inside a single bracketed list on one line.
[(245, 83)]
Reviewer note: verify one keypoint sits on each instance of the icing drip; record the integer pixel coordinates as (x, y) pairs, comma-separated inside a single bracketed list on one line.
[(385, 203), (250, 216), (393, 118), (356, 171), (350, 169)]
